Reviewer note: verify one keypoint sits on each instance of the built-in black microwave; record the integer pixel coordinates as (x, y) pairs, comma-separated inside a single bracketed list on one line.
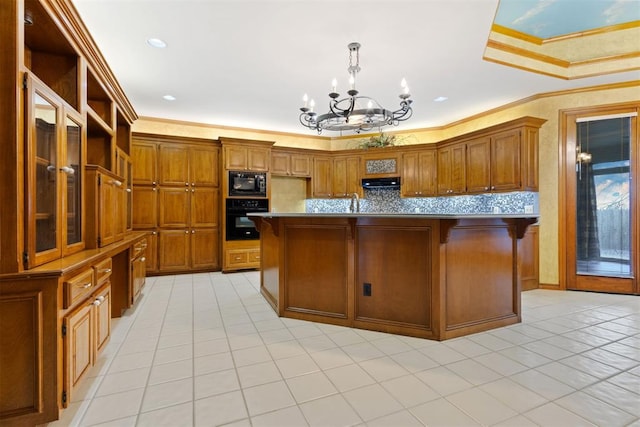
[(252, 184)]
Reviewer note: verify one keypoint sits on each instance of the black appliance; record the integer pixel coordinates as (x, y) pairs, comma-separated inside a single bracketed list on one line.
[(239, 226), (253, 184), (385, 182)]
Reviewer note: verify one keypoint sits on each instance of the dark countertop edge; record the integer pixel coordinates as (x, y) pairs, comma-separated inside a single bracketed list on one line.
[(390, 215)]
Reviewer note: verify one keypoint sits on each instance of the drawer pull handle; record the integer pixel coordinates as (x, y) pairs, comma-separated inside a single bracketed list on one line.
[(85, 286), (96, 303), (116, 183), (106, 271), (68, 170)]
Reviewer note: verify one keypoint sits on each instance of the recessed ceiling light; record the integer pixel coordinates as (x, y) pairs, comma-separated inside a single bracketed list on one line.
[(169, 97), (160, 44), (440, 99)]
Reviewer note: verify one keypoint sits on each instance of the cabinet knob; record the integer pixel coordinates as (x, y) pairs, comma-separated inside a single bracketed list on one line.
[(68, 170), (153, 189), (193, 191), (186, 189), (96, 302), (154, 233), (153, 183), (486, 188), (106, 271), (193, 231), (193, 184), (186, 183), (493, 187), (143, 259)]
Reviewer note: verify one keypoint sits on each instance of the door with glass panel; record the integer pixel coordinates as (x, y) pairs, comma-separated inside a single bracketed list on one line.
[(55, 162), (602, 207)]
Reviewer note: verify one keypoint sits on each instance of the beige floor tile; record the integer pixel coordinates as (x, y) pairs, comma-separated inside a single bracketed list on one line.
[(514, 395), (260, 373), (268, 397), (410, 391), (171, 371), (215, 383), (167, 394), (414, 361), (383, 368), (441, 412), (288, 417), (251, 356), (220, 409), (372, 401), (474, 372), (402, 418), (123, 381), (172, 416), (443, 380), (349, 377), (310, 386), (297, 365), (331, 411), (481, 406), (595, 410), (113, 406), (212, 363)]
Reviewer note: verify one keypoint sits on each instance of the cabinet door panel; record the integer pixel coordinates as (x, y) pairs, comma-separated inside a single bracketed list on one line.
[(108, 211), (144, 158), (103, 318), (78, 347), (174, 207), (280, 164), (353, 183), (204, 248), (479, 166), (321, 180), (145, 203), (173, 250), (151, 253), (173, 165), (410, 175), (204, 207), (458, 167), (235, 158), (300, 165), (505, 161), (203, 166), (428, 173), (339, 178), (258, 159)]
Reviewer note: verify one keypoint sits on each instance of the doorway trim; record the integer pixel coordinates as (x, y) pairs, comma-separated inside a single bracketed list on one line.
[(566, 165)]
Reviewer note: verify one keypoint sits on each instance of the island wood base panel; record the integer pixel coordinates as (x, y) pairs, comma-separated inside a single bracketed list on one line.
[(435, 278)]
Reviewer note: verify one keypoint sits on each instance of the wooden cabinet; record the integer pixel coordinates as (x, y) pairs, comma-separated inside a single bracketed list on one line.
[(54, 173), (181, 209), (106, 207), (242, 255), (247, 158), (419, 173), (144, 160), (335, 177), (284, 163), (493, 163), (85, 332), (451, 169), (138, 269), (345, 176), (321, 180)]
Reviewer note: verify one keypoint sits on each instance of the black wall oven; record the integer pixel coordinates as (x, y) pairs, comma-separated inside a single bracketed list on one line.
[(252, 184), (239, 226)]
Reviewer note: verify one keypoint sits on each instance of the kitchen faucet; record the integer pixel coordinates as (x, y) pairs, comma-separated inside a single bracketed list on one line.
[(355, 203)]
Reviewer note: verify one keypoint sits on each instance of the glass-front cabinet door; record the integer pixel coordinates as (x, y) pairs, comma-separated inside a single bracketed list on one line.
[(54, 164)]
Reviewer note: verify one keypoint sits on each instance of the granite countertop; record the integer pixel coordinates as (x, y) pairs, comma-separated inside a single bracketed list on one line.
[(390, 215)]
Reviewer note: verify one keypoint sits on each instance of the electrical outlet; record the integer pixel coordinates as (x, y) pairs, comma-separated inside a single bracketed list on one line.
[(366, 289)]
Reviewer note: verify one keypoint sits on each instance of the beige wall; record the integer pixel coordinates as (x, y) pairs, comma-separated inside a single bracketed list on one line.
[(545, 106), (289, 194)]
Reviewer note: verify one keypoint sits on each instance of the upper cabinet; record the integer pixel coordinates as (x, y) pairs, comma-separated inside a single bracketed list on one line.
[(246, 158), (451, 169), (288, 163), (144, 159), (419, 173), (54, 176)]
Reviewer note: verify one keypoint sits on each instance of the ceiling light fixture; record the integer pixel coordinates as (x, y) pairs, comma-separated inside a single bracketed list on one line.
[(349, 113), (169, 98), (157, 43)]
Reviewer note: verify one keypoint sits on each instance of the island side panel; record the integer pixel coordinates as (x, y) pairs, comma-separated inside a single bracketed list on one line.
[(270, 262), (317, 269), (396, 258), (481, 283)]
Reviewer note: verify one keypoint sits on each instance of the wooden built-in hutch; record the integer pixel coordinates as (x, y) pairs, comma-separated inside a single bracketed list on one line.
[(69, 258)]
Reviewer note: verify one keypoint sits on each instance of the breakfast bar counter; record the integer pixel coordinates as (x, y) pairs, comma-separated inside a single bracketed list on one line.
[(429, 276)]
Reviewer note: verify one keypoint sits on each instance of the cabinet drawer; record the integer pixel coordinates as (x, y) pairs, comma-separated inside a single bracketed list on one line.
[(138, 248), (237, 258), (76, 288), (254, 256), (103, 271)]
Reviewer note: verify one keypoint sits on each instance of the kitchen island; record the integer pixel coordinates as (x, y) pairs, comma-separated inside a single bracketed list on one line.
[(429, 276)]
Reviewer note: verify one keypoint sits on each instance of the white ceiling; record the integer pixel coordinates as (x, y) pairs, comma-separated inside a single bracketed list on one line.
[(247, 63)]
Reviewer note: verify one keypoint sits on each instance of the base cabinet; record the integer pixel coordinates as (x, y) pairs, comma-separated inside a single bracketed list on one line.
[(181, 250), (241, 255), (85, 332)]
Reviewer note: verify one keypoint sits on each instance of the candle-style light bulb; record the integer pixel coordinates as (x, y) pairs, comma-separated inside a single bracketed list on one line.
[(369, 105), (305, 99), (352, 81), (334, 85), (312, 104), (403, 83), (406, 90)]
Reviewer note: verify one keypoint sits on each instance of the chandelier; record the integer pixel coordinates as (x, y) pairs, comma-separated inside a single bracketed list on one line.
[(356, 112)]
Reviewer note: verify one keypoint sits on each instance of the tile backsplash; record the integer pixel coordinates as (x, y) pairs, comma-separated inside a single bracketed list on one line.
[(387, 200)]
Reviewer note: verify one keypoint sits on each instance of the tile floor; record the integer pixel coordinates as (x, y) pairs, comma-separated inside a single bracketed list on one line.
[(207, 350)]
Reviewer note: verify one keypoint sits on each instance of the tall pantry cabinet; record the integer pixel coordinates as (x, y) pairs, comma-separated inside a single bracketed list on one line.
[(64, 121), (176, 198)]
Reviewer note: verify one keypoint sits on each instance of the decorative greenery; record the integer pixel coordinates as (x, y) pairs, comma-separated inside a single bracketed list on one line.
[(380, 140)]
